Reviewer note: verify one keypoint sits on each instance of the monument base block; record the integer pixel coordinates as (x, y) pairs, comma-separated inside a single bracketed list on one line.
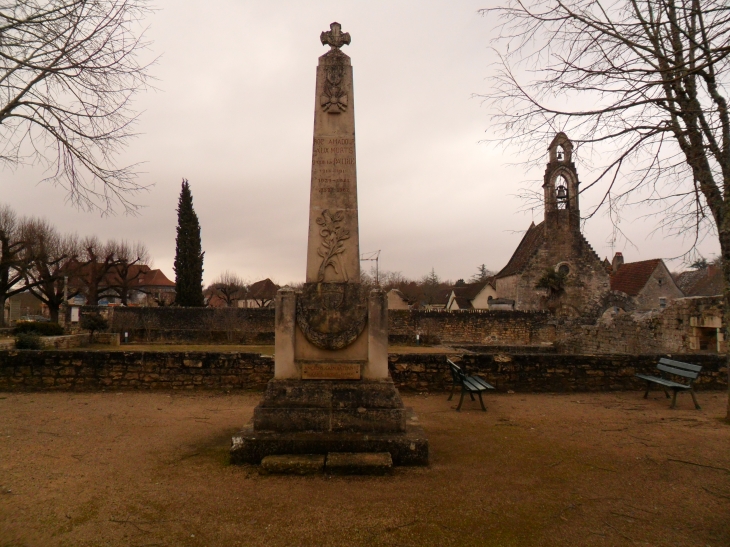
[(371, 406), (406, 448)]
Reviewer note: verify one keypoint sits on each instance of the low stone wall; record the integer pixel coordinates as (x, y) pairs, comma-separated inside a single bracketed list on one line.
[(194, 325), (256, 326), (68, 341), (28, 370), (507, 328), (544, 372)]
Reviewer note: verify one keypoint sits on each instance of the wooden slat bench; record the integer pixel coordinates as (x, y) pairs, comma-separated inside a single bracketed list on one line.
[(469, 384), (686, 371)]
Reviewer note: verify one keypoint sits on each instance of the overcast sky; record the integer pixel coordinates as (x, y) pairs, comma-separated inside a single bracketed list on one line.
[(234, 113)]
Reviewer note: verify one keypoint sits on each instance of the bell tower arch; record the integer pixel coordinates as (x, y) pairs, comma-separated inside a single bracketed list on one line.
[(562, 212)]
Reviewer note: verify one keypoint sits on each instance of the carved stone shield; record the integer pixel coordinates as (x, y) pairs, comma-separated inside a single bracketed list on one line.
[(332, 315)]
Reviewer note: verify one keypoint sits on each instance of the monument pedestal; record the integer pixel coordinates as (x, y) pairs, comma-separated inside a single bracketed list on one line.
[(331, 391), (407, 448), (354, 408)]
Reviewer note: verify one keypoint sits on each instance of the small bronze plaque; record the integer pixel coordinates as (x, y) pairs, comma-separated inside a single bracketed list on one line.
[(321, 371)]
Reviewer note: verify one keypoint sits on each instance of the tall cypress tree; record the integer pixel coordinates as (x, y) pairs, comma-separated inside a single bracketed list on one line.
[(188, 252)]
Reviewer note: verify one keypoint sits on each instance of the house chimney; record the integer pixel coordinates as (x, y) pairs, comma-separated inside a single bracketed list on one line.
[(618, 260)]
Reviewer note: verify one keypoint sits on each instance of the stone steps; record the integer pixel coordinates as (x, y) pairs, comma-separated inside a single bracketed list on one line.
[(336, 463)]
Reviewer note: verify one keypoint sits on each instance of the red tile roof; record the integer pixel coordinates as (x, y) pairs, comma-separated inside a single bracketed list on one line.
[(631, 277), (154, 278)]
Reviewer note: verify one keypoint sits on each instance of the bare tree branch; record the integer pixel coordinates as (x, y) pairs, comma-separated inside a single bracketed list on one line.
[(69, 70)]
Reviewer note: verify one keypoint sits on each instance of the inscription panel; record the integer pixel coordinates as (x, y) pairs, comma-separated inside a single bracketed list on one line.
[(333, 165), (321, 371)]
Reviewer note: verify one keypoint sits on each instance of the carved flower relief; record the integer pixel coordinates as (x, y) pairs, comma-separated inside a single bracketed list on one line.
[(332, 246), (334, 97)]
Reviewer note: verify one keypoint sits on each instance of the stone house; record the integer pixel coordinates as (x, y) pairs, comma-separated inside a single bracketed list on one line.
[(648, 282), (556, 244), (397, 301), (472, 296)]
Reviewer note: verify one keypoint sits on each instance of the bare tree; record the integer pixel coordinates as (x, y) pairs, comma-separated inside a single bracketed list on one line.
[(132, 262), (96, 261), (13, 256), (52, 261), (640, 87), (68, 72), (229, 287)]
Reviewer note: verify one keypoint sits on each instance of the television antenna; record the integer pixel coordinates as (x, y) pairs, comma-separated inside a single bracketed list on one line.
[(374, 255)]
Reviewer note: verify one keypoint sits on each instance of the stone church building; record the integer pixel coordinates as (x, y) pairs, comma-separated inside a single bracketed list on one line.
[(556, 244)]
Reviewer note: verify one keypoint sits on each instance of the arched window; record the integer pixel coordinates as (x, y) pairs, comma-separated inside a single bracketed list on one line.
[(561, 192), (562, 155)]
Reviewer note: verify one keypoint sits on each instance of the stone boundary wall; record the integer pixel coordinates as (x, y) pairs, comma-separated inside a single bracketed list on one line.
[(506, 328), (193, 325), (28, 370), (256, 326), (68, 341), (549, 373)]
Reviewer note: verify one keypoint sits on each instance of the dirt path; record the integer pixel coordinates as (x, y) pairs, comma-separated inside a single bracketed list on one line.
[(150, 469)]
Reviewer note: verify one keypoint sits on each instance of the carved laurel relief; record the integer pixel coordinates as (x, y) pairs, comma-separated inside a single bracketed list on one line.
[(332, 246)]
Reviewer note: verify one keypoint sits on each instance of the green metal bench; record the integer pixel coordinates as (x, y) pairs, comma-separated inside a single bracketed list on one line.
[(686, 371), (469, 384)]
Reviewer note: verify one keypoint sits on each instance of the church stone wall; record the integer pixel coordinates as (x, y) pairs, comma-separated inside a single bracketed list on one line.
[(586, 283)]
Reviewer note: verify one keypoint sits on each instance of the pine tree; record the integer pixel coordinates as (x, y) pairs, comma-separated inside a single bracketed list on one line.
[(188, 253)]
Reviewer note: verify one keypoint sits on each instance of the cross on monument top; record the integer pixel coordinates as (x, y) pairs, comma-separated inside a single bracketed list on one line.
[(335, 38)]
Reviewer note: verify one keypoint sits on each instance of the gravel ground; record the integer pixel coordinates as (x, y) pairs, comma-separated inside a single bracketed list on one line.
[(150, 469)]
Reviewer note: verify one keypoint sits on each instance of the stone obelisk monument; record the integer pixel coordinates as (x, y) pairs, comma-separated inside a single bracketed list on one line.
[(331, 391)]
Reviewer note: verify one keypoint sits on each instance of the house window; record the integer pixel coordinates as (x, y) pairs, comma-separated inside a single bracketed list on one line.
[(564, 269), (662, 303)]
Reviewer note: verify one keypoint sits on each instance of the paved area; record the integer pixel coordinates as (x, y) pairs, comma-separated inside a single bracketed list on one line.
[(150, 469)]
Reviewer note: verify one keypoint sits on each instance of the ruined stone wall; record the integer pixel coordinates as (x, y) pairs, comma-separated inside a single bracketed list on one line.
[(115, 370), (471, 326), (672, 330)]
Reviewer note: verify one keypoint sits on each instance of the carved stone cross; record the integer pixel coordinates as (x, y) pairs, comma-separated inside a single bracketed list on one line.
[(335, 38)]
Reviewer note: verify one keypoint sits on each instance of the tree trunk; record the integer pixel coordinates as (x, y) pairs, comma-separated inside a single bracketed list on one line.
[(53, 311), (725, 253), (2, 310)]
